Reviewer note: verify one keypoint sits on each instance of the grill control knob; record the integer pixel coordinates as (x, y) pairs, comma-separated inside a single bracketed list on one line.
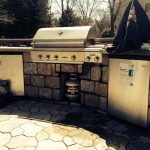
[(56, 57), (88, 58), (97, 58), (47, 57), (73, 57), (40, 56)]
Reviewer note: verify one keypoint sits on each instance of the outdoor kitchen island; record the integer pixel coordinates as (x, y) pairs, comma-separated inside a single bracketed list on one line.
[(55, 57), (31, 124), (46, 76)]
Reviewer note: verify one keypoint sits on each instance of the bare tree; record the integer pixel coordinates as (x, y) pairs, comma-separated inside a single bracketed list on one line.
[(114, 8), (50, 6), (103, 25), (87, 8), (63, 5), (67, 16), (71, 3)]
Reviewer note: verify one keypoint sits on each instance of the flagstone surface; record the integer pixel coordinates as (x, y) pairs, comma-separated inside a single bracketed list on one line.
[(33, 125)]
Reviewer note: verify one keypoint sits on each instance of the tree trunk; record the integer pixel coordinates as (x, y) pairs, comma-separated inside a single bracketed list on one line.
[(62, 5), (112, 25)]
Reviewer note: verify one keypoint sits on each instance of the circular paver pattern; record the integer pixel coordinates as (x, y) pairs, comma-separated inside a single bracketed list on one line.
[(4, 138), (31, 129), (68, 141), (22, 141), (48, 144), (4, 117), (17, 132), (46, 126), (3, 148), (42, 136)]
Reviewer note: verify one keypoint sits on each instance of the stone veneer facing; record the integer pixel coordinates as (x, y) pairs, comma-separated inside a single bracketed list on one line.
[(43, 80)]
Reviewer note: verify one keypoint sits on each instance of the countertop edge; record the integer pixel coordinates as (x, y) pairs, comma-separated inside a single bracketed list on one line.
[(15, 49)]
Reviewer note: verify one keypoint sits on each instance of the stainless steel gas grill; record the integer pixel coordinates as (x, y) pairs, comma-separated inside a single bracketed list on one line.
[(73, 45)]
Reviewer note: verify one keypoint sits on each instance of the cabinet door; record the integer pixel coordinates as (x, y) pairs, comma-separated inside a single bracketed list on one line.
[(11, 68), (128, 90)]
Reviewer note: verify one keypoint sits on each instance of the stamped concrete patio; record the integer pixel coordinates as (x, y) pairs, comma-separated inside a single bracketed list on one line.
[(32, 125)]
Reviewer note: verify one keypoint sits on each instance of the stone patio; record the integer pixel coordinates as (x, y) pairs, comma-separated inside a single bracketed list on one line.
[(34, 125)]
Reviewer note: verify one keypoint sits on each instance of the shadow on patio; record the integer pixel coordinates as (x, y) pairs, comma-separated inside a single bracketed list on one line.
[(105, 132)]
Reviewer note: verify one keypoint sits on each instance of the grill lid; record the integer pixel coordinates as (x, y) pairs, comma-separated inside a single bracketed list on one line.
[(81, 36)]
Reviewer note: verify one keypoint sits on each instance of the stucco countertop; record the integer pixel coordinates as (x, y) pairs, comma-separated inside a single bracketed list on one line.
[(4, 49)]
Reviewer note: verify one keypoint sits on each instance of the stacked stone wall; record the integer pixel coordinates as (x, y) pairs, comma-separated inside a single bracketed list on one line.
[(43, 80)]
